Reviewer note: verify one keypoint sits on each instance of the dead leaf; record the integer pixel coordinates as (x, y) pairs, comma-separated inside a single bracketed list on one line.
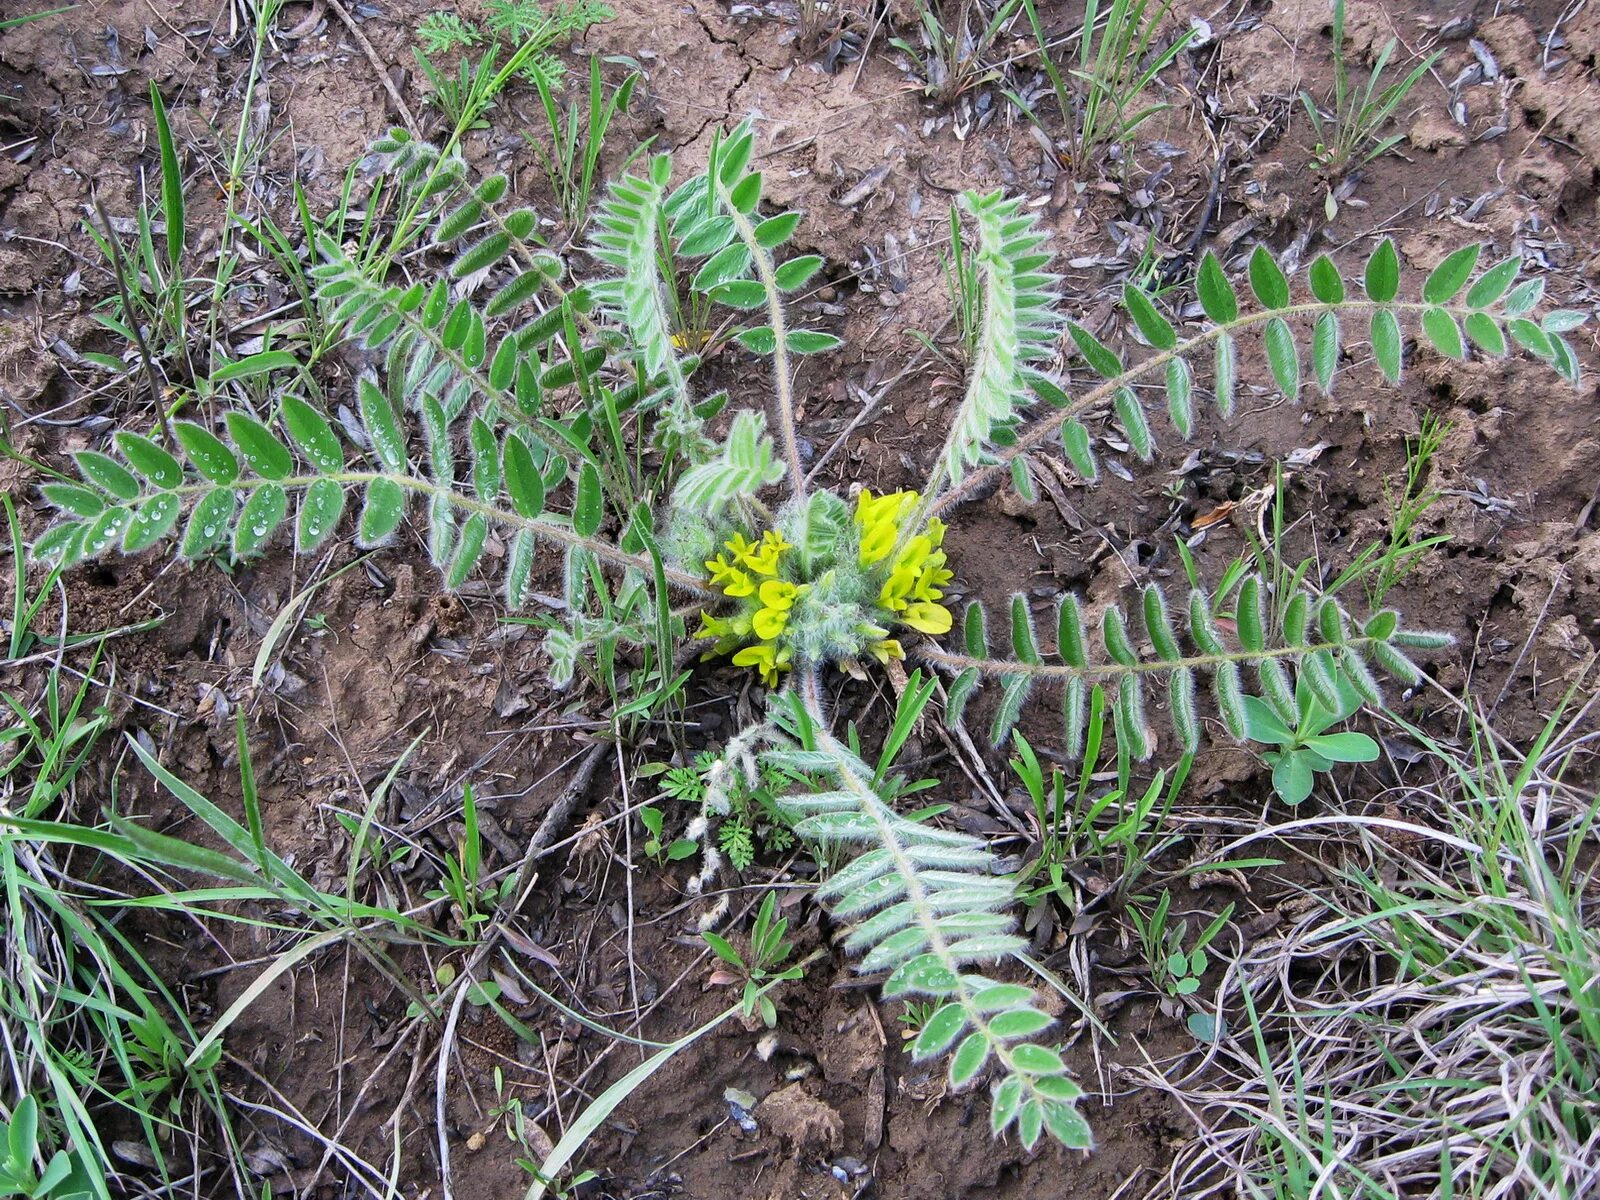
[(525, 945), (1220, 513)]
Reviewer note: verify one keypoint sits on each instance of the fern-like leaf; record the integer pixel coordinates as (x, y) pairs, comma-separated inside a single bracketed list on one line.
[(1319, 641), (1456, 312), (745, 466), (625, 238), (927, 905), (1018, 326)]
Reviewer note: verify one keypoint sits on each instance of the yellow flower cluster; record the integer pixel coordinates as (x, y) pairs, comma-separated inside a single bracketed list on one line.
[(894, 580), (913, 588), (746, 570)]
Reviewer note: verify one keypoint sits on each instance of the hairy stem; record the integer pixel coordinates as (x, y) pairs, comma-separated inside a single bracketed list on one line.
[(562, 534), (975, 480), (782, 372), (878, 812), (1008, 667)]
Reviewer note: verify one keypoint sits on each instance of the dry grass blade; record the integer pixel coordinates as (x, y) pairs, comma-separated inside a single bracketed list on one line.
[(1431, 1029)]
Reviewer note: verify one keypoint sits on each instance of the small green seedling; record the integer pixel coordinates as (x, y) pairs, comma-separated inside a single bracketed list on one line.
[(1176, 969), (463, 883), (916, 1015), (577, 134), (19, 1146), (753, 806), (1350, 135), (768, 953), (1306, 749), (481, 993), (954, 46), (659, 852)]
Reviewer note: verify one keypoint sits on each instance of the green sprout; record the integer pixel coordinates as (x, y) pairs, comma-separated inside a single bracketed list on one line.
[(1307, 749)]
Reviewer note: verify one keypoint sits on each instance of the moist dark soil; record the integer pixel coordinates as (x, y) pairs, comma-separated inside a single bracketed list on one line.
[(1504, 148)]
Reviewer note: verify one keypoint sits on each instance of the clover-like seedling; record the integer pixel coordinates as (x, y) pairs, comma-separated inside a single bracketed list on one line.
[(763, 965), (1307, 749), (19, 1140)]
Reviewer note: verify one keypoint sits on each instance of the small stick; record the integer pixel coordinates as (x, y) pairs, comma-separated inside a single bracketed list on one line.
[(378, 65)]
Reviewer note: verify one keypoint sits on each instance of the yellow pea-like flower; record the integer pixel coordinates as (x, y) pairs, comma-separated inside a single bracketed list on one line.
[(933, 577), (763, 562), (762, 558), (876, 542), (927, 618), (778, 594), (885, 649), (729, 578), (916, 552), (770, 622), (768, 660), (897, 589)]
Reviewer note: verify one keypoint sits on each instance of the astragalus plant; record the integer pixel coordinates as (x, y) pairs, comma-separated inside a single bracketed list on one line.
[(535, 417)]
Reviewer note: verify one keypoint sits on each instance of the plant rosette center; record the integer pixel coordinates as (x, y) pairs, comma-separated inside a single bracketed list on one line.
[(828, 584)]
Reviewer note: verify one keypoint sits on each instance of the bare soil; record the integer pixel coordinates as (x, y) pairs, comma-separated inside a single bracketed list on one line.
[(1512, 160)]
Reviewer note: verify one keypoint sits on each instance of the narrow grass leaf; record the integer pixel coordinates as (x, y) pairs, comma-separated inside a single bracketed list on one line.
[(595, 1114), (251, 366), (172, 199)]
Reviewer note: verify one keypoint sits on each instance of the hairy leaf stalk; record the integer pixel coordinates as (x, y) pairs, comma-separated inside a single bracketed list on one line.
[(974, 483), (1006, 668), (782, 371)]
